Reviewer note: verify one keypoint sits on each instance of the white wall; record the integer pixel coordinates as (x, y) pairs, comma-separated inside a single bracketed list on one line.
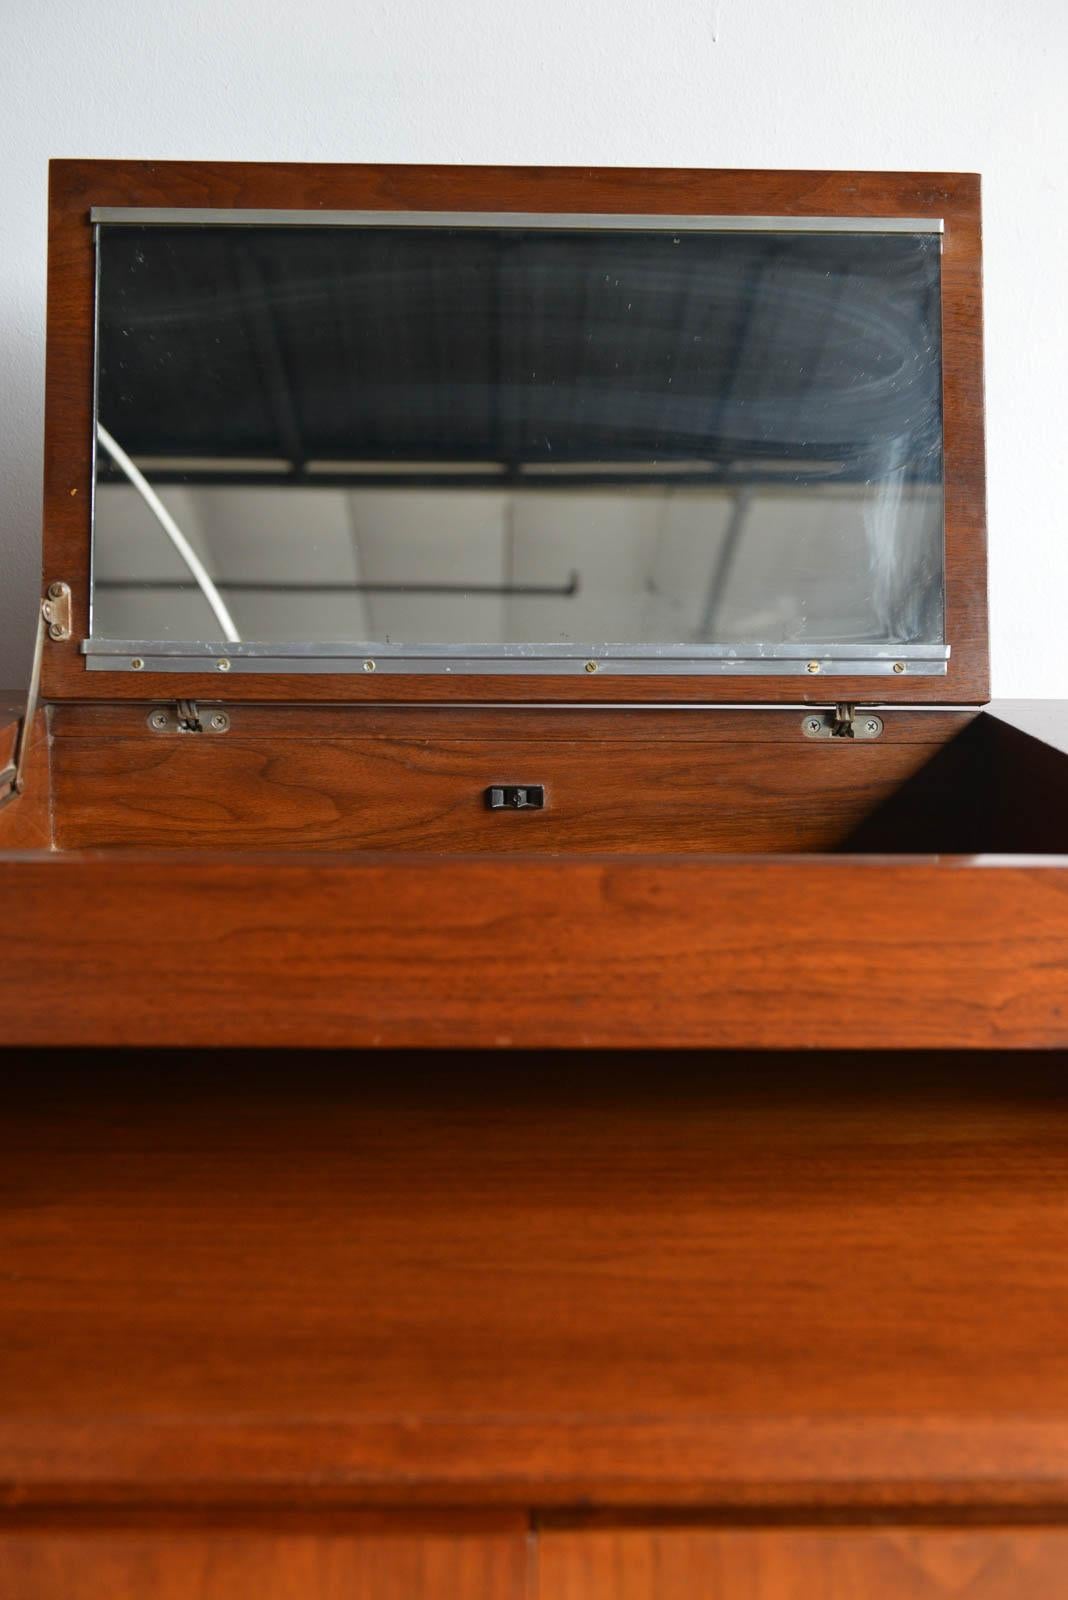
[(976, 85)]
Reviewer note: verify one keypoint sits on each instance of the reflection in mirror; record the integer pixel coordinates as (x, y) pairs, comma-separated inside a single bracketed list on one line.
[(519, 436)]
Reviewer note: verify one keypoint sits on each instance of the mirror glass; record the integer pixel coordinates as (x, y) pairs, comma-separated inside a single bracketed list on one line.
[(538, 440)]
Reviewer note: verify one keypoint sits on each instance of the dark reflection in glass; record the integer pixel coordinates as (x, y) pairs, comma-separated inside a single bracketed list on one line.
[(518, 436)]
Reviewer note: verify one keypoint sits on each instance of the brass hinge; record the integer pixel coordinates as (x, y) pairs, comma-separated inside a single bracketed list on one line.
[(843, 721), (55, 609)]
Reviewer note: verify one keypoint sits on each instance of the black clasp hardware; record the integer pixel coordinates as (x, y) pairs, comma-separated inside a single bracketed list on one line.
[(515, 797), (189, 717)]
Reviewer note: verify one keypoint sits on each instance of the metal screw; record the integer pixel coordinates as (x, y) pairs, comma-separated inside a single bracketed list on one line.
[(158, 720), (369, 666), (899, 666), (223, 665), (137, 663), (591, 666), (55, 590), (220, 722), (814, 724), (813, 666), (871, 726), (55, 631)]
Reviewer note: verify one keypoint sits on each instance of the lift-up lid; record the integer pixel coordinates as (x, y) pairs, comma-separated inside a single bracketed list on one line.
[(371, 433)]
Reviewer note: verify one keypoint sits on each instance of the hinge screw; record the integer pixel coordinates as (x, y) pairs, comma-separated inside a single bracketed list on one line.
[(220, 722), (814, 724), (871, 725), (158, 720)]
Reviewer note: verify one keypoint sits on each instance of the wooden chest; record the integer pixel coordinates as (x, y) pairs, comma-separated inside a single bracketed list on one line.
[(520, 635)]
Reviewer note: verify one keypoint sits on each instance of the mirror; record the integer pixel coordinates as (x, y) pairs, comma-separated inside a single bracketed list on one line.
[(518, 443)]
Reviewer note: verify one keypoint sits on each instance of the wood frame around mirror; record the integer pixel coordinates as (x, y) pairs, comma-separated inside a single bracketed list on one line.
[(76, 186)]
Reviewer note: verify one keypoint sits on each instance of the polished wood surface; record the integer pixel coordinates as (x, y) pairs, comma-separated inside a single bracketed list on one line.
[(364, 1557), (723, 725), (280, 1558), (338, 778), (26, 819), (789, 1282), (817, 1564), (481, 951), (10, 712), (78, 185)]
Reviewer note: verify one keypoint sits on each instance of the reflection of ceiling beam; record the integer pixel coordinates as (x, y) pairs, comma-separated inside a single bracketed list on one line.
[(242, 586), (721, 574), (258, 306), (731, 475)]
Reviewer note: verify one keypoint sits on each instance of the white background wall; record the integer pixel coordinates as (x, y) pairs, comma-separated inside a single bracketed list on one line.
[(974, 85)]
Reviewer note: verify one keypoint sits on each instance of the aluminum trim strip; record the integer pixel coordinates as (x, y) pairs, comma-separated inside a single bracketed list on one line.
[(511, 668), (622, 222), (524, 652), (120, 655)]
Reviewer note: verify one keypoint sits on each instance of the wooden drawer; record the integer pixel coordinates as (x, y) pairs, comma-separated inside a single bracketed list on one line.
[(463, 1557), (803, 1564), (340, 779), (271, 1557)]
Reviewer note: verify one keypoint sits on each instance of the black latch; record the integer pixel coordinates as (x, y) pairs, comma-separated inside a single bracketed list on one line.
[(189, 717), (515, 797)]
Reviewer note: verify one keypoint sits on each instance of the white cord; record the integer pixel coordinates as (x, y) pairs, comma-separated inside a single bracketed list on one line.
[(173, 532)]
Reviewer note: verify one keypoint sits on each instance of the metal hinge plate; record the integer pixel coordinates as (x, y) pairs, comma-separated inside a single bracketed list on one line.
[(56, 611), (186, 716), (843, 721)]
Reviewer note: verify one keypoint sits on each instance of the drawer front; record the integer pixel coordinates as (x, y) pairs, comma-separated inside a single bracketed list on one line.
[(353, 1557), (802, 1564), (277, 1558), (237, 791)]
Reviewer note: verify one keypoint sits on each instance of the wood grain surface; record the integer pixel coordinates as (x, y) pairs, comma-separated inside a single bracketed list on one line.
[(77, 185), (10, 712), (26, 819), (481, 951), (283, 1558), (410, 779), (793, 1282), (361, 1557), (823, 1564)]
